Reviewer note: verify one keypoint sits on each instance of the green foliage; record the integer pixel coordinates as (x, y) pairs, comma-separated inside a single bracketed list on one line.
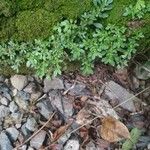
[(129, 143), (136, 11), (85, 40)]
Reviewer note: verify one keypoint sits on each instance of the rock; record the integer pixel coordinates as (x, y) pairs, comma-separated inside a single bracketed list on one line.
[(17, 117), (5, 91), (55, 83), (23, 147), (62, 140), (115, 91), (37, 141), (35, 96), (45, 108), (5, 143), (18, 125), (19, 81), (24, 130), (91, 146), (13, 133), (30, 88), (2, 78), (31, 124), (62, 104), (72, 145), (14, 91), (4, 111), (4, 101), (22, 99), (13, 107), (79, 89), (30, 148)]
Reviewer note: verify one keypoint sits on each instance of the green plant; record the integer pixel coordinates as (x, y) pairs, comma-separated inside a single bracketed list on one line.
[(129, 143), (136, 11), (85, 40)]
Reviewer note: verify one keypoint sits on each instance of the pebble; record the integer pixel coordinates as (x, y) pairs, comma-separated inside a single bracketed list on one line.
[(72, 145), (2, 78), (31, 124), (55, 83), (45, 108), (13, 133), (30, 88), (13, 107), (19, 81), (4, 111), (4, 101), (64, 105), (37, 141), (5, 143), (115, 91)]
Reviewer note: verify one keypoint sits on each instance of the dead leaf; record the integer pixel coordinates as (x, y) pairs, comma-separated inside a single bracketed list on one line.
[(60, 131), (112, 130)]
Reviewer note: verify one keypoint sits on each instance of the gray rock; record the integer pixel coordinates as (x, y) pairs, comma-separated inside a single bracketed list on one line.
[(45, 108), (13, 133), (30, 88), (23, 147), (64, 105), (4, 101), (5, 91), (13, 107), (91, 146), (2, 78), (115, 91), (35, 96), (62, 140), (72, 145), (4, 111), (22, 99), (19, 81), (55, 83), (31, 124), (5, 143), (18, 125), (37, 141), (78, 89), (30, 148), (17, 116), (24, 130)]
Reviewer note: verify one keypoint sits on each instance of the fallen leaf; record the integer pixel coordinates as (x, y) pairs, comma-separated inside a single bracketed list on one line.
[(112, 130), (60, 131)]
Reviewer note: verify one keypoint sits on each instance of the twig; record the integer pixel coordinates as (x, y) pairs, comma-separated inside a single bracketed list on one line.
[(65, 92), (131, 98), (36, 132)]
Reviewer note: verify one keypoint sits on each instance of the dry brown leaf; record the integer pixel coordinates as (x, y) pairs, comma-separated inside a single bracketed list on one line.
[(60, 131), (112, 130)]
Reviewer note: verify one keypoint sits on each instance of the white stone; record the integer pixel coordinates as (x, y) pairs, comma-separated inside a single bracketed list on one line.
[(72, 145), (19, 81)]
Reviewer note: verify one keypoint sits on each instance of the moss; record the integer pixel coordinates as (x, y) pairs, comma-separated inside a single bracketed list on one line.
[(72, 9), (34, 24), (7, 29)]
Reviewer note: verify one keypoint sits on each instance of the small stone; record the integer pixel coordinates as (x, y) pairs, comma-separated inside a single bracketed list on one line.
[(13, 133), (45, 108), (4, 101), (30, 148), (79, 89), (2, 78), (24, 130), (13, 107), (55, 83), (17, 116), (18, 125), (23, 95), (35, 96), (72, 145), (31, 124), (4, 111), (23, 147), (5, 143), (30, 88), (37, 141), (64, 105), (14, 92), (19, 81), (115, 91)]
